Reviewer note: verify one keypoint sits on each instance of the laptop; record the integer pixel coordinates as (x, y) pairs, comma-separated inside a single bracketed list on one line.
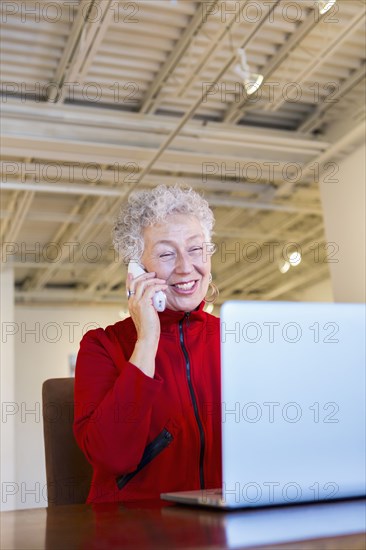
[(293, 405)]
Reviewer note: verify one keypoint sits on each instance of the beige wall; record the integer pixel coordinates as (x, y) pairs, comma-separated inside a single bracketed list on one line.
[(320, 292), (344, 207), (8, 406), (44, 339)]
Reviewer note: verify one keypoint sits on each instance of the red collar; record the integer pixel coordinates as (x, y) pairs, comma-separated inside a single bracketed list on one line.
[(169, 317)]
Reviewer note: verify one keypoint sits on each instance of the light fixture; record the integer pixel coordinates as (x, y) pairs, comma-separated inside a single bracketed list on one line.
[(284, 267), (251, 81), (294, 258), (325, 5)]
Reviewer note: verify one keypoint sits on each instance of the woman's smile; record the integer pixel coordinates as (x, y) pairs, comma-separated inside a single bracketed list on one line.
[(188, 287)]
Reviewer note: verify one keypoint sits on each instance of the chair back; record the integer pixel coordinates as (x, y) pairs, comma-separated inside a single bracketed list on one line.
[(68, 472)]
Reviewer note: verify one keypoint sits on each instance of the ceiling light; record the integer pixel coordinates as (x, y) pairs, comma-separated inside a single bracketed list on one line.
[(252, 86), (294, 258), (251, 81), (325, 5), (284, 267)]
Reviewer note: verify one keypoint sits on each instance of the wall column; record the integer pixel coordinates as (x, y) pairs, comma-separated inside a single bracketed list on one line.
[(9, 408), (345, 223)]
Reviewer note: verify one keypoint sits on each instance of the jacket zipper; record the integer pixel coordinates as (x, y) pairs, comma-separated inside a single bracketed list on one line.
[(194, 400), (151, 451)]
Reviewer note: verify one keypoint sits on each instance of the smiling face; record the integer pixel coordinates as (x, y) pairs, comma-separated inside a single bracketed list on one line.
[(175, 250)]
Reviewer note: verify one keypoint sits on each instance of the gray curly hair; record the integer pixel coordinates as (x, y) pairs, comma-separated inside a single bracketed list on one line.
[(146, 208)]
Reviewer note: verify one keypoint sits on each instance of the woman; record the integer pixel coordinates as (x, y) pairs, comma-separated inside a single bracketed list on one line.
[(147, 389)]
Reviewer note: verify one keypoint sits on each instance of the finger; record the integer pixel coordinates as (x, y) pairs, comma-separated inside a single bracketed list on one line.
[(142, 286), (128, 280), (151, 290), (140, 306), (131, 280), (139, 285), (148, 289)]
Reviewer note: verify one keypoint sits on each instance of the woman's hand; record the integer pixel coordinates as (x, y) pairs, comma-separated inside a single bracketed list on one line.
[(145, 318)]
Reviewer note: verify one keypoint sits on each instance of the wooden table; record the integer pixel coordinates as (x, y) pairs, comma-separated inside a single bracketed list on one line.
[(155, 525)]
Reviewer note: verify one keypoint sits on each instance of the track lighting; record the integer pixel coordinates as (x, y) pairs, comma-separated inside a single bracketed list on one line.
[(294, 258), (251, 81), (284, 267), (325, 5)]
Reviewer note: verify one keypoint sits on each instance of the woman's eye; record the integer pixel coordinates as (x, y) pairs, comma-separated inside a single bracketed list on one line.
[(166, 255), (197, 249)]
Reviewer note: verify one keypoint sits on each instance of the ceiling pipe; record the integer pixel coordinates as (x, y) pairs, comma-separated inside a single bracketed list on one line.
[(103, 191)]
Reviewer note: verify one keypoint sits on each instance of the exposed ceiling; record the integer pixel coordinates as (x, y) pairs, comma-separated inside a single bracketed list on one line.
[(103, 96)]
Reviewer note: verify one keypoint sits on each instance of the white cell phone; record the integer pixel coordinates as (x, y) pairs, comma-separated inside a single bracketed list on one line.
[(159, 298)]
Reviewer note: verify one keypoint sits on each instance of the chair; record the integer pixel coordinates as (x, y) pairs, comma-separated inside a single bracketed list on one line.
[(68, 472)]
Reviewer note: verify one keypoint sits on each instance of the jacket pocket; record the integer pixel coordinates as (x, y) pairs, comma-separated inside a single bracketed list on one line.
[(155, 447)]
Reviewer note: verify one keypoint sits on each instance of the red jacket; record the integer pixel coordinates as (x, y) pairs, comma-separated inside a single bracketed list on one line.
[(145, 435)]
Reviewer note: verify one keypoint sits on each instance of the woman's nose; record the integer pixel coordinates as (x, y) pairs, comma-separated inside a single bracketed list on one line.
[(183, 263)]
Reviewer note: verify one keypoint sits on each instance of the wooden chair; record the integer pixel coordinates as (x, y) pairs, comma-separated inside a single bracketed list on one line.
[(68, 472)]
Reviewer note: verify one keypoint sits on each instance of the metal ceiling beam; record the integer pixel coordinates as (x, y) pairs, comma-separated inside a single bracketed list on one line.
[(91, 42), (22, 207), (42, 216), (104, 191), (79, 47), (173, 59), (195, 106), (346, 87), (121, 154), (355, 135), (75, 123), (5, 221), (210, 51), (60, 173), (77, 234), (309, 277), (320, 59), (244, 275)]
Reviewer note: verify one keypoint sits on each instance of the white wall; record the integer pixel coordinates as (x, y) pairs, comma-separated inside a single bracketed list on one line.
[(344, 208), (8, 404), (45, 337)]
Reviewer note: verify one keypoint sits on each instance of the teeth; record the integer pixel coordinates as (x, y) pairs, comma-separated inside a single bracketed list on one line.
[(185, 286)]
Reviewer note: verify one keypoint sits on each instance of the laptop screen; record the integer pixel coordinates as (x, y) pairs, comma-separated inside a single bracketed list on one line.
[(293, 401)]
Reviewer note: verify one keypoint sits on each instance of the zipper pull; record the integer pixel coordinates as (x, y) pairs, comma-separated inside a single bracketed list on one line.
[(186, 317)]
